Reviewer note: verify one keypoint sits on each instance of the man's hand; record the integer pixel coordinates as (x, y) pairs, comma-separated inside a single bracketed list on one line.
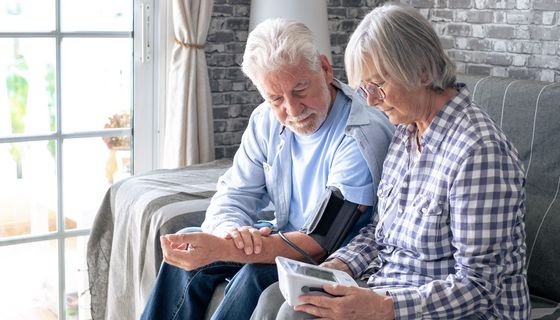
[(190, 251), (337, 265), (248, 239), (349, 303)]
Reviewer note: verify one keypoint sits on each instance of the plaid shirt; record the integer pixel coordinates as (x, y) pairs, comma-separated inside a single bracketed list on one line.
[(456, 242)]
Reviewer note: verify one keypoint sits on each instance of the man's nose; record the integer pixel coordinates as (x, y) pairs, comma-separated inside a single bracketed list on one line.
[(293, 106)]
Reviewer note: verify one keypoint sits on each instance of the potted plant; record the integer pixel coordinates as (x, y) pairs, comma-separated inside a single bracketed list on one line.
[(119, 147)]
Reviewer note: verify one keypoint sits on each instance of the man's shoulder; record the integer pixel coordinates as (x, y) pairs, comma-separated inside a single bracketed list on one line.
[(263, 117), (261, 110), (369, 118), (360, 112)]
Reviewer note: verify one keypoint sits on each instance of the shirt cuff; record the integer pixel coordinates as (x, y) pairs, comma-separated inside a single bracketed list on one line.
[(350, 259), (218, 230), (363, 195), (408, 303)]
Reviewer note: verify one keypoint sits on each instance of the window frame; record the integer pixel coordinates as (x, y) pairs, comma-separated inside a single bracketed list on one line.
[(149, 78)]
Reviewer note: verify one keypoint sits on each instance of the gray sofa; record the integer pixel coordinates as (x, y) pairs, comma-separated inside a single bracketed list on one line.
[(528, 111), (529, 114)]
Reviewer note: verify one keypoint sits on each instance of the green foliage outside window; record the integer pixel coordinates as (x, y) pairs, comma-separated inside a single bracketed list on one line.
[(50, 78), (17, 90), (17, 94)]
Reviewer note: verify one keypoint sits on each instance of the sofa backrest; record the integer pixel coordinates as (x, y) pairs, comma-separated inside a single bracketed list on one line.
[(529, 114)]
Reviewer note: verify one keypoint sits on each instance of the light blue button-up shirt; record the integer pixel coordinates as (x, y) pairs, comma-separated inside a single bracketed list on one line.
[(262, 167)]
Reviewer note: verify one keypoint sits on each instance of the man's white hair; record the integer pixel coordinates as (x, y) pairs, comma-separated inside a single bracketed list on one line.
[(276, 43)]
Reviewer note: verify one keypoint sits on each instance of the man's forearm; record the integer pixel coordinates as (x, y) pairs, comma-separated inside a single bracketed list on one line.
[(274, 246)]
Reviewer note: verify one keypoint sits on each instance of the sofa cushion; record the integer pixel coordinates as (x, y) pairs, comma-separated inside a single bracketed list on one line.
[(529, 113), (543, 309)]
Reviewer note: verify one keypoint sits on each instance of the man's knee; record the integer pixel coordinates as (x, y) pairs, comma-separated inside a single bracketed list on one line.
[(257, 269), (257, 276)]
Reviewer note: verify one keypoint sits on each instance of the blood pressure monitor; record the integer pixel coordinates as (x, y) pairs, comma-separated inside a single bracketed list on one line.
[(297, 278)]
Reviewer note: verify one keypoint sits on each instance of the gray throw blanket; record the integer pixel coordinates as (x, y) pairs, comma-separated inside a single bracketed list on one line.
[(123, 253)]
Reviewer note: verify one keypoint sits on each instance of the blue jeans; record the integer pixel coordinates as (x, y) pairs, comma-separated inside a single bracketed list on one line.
[(180, 294)]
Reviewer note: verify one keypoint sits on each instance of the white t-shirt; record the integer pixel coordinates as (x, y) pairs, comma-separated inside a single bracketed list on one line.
[(312, 163)]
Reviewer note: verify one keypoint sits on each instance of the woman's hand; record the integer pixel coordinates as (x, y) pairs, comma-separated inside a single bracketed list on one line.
[(350, 303)]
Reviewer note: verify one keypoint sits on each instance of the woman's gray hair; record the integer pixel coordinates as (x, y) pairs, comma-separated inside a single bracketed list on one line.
[(276, 43), (397, 42)]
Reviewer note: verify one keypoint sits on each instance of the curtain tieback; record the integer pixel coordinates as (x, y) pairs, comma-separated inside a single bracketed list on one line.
[(190, 45)]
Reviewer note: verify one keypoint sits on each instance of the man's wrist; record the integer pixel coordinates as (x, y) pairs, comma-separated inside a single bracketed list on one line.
[(228, 250)]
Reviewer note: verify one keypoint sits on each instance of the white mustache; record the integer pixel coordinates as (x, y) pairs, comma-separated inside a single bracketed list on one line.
[(302, 116)]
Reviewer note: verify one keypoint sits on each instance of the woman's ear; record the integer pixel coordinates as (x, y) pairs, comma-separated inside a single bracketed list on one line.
[(424, 78)]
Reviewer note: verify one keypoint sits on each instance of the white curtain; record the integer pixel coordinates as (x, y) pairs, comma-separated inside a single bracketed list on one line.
[(189, 130)]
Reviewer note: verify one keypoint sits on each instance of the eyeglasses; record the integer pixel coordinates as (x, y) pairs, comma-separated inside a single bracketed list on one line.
[(371, 88)]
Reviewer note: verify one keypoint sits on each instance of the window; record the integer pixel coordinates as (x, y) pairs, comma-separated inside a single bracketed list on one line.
[(77, 97)]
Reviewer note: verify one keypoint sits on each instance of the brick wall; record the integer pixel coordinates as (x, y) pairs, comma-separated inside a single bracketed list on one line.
[(509, 38)]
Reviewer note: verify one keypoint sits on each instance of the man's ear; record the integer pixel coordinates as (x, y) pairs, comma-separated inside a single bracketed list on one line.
[(327, 68)]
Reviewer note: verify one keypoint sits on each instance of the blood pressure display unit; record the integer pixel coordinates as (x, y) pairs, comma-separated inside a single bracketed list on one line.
[(297, 278)]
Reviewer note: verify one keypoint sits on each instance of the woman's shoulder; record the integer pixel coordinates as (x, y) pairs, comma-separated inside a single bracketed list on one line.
[(476, 130)]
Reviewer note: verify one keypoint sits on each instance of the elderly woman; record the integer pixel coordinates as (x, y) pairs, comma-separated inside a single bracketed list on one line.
[(449, 238)]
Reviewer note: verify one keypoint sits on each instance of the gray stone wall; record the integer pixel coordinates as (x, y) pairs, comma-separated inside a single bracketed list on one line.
[(509, 38)]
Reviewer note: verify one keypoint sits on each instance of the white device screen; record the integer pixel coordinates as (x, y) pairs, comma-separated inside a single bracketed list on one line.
[(312, 272)]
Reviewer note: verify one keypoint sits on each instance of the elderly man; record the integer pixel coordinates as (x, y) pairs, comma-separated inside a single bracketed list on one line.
[(311, 133)]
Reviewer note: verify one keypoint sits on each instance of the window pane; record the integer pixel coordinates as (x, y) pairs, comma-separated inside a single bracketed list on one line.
[(77, 292), (27, 86), (89, 169), (30, 281), (27, 15), (118, 164), (96, 82), (28, 188), (100, 15)]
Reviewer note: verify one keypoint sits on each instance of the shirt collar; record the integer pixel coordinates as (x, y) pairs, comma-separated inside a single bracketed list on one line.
[(437, 131), (358, 112)]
